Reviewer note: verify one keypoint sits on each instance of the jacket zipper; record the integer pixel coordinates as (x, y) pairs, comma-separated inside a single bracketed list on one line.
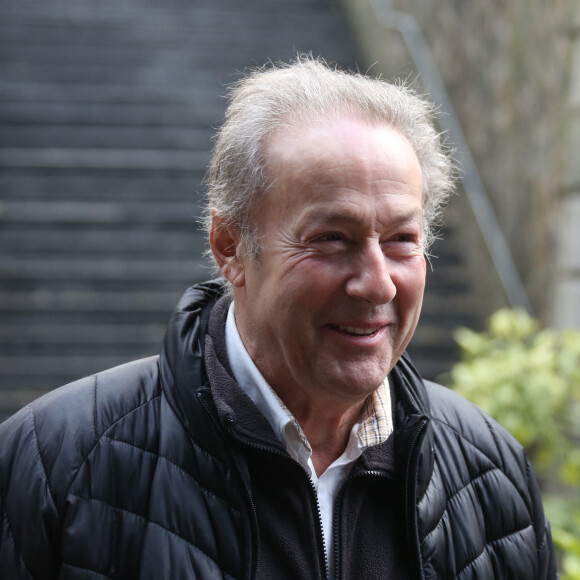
[(410, 516), (325, 557), (322, 553)]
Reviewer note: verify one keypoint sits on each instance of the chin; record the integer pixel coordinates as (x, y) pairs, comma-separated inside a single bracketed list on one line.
[(360, 384)]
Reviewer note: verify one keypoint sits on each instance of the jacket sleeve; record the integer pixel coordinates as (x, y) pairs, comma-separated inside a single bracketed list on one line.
[(545, 546), (28, 537), (476, 454), (519, 469)]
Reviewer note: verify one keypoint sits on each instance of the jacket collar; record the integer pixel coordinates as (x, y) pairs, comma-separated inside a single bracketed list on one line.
[(234, 407), (181, 362), (413, 431)]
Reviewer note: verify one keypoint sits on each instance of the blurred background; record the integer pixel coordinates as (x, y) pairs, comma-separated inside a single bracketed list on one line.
[(106, 116)]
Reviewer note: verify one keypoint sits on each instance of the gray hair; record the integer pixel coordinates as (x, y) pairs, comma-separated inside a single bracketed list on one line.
[(307, 91)]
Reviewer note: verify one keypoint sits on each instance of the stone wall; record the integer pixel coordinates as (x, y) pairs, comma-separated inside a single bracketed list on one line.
[(566, 309)]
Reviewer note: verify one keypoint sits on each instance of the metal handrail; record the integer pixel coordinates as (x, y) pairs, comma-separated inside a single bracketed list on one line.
[(481, 206)]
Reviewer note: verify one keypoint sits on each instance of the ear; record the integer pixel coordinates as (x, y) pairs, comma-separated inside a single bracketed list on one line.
[(224, 241)]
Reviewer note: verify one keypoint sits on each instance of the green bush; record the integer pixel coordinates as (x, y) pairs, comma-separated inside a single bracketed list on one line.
[(528, 378)]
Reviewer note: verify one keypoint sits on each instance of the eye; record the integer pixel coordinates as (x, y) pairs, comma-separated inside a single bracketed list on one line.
[(330, 237), (330, 242), (406, 238), (402, 244)]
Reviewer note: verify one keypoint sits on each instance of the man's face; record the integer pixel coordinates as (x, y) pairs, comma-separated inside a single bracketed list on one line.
[(334, 298)]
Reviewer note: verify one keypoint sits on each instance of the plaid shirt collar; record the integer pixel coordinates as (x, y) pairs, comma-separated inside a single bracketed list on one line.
[(375, 422)]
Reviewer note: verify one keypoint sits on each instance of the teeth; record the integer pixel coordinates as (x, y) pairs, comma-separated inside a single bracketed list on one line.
[(358, 331)]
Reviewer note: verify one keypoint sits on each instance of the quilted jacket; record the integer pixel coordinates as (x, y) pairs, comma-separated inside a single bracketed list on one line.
[(144, 472)]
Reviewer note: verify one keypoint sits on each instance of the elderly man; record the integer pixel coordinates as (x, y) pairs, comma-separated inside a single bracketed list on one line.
[(282, 432)]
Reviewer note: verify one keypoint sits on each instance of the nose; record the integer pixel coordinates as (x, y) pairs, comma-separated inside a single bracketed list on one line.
[(370, 279)]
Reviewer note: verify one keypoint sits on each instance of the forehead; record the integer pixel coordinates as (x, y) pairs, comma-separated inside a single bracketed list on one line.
[(342, 141), (341, 159)]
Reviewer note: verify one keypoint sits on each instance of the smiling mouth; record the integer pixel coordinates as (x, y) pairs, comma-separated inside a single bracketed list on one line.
[(357, 331)]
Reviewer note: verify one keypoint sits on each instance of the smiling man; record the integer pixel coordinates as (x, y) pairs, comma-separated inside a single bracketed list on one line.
[(282, 432)]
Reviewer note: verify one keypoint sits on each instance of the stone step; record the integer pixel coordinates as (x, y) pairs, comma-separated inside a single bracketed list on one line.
[(102, 136), (29, 341), (115, 49), (200, 95), (158, 241), (100, 269), (249, 23), (105, 159), (116, 114), (108, 212), (80, 185), (60, 305)]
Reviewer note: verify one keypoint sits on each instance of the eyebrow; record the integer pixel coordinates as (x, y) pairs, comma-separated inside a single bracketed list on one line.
[(344, 216)]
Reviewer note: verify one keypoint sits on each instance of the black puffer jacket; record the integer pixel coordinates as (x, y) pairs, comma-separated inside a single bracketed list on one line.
[(145, 471)]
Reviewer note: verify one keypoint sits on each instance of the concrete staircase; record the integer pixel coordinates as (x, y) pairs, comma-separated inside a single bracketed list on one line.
[(106, 116)]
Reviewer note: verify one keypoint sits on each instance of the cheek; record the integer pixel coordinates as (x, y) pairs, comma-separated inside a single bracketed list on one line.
[(410, 284), (307, 278), (304, 299)]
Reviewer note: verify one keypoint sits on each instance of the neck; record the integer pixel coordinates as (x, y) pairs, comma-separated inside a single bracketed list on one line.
[(327, 431)]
